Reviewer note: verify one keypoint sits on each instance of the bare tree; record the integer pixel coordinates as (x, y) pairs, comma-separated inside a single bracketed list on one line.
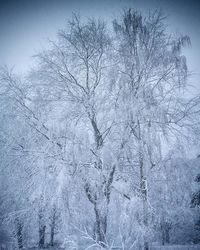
[(153, 79), (88, 131), (77, 70)]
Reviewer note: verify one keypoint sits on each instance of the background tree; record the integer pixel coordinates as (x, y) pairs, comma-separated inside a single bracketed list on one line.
[(195, 202)]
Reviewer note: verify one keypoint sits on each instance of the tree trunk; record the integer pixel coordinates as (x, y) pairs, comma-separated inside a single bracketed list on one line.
[(42, 229), (163, 236), (19, 228), (52, 226), (100, 227), (42, 236), (167, 236), (165, 230), (101, 198), (52, 236), (143, 190), (100, 201)]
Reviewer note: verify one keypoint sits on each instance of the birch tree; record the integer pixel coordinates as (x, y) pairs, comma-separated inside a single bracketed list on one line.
[(77, 69), (87, 132), (153, 77)]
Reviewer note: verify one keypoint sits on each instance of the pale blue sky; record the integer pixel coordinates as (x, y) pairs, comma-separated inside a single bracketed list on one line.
[(25, 25)]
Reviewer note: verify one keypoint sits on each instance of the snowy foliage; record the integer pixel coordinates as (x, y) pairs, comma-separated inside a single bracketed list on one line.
[(94, 140)]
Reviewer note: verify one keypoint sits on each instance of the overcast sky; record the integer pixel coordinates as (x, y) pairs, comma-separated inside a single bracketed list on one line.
[(25, 25)]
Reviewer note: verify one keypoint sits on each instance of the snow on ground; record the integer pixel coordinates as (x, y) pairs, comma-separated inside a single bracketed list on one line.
[(176, 247), (172, 247)]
